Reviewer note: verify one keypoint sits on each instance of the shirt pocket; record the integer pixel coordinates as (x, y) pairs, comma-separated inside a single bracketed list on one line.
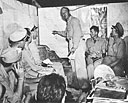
[(69, 30)]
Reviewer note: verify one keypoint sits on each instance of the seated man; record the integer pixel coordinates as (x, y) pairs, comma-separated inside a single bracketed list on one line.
[(51, 89), (9, 58), (32, 44), (7, 93), (116, 50), (96, 49), (126, 55), (20, 40)]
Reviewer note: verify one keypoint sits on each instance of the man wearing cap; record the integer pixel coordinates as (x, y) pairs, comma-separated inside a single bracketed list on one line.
[(33, 45), (20, 40), (116, 50), (8, 57)]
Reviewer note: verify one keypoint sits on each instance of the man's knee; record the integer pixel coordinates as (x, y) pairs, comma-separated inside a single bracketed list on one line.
[(90, 69), (98, 62), (119, 71)]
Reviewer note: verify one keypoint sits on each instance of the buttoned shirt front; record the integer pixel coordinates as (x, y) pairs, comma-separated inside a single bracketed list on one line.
[(74, 35), (96, 48), (73, 31), (117, 49)]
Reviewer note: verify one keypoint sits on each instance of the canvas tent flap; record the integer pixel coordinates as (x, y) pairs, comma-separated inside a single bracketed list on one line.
[(54, 3)]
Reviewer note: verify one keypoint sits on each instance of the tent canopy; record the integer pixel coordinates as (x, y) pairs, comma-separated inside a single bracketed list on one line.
[(55, 3)]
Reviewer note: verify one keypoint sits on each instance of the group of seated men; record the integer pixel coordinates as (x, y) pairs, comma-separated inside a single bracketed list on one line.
[(109, 51), (21, 66), (51, 89), (22, 75)]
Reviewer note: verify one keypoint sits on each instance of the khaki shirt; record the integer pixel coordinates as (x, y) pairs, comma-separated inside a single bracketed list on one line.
[(31, 69), (96, 49), (73, 31), (117, 49)]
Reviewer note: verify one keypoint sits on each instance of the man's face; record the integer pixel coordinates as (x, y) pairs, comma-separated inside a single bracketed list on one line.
[(113, 32), (64, 14), (93, 33)]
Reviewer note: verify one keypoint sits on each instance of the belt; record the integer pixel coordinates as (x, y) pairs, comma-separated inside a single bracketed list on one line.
[(81, 38), (95, 58)]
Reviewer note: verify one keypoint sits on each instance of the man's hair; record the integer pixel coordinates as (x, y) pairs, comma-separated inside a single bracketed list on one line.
[(51, 89), (65, 8), (96, 28)]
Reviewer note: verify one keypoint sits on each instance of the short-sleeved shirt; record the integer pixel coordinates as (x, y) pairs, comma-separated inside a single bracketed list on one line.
[(96, 48), (118, 49), (73, 31)]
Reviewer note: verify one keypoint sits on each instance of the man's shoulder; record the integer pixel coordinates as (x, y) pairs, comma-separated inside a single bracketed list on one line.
[(74, 19), (89, 40), (102, 39), (126, 38), (121, 41)]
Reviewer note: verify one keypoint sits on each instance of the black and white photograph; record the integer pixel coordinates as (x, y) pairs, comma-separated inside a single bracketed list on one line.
[(63, 51)]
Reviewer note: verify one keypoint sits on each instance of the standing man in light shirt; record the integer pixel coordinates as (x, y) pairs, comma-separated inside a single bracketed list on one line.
[(73, 34)]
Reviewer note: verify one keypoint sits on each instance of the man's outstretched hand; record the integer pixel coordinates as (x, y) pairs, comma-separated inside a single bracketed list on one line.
[(54, 32)]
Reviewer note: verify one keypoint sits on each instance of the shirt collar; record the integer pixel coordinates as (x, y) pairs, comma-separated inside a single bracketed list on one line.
[(69, 19), (97, 39)]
